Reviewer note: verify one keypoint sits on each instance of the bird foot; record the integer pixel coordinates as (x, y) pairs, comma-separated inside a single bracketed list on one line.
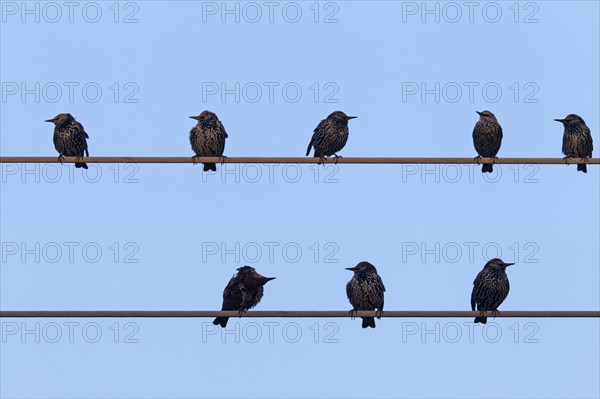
[(478, 159), (195, 159), (321, 161), (241, 313), (481, 313), (222, 159), (566, 159), (494, 160), (336, 157), (495, 313), (379, 313), (352, 314), (60, 158)]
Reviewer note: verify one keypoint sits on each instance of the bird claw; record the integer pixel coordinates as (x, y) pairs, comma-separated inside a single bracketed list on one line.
[(222, 159), (336, 157), (321, 161), (60, 158), (478, 159), (195, 159), (241, 313), (495, 313), (566, 159), (379, 313), (352, 314)]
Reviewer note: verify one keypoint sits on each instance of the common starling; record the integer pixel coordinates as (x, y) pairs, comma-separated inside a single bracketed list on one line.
[(69, 138), (490, 288), (577, 139), (330, 136), (243, 292), (487, 137), (208, 138), (365, 291)]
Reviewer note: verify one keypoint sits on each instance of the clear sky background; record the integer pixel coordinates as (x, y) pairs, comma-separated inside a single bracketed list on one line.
[(168, 237)]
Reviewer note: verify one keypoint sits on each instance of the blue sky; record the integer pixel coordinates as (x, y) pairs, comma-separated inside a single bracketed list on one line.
[(154, 237)]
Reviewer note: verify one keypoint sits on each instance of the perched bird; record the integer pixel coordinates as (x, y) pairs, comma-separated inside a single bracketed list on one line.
[(208, 138), (244, 291), (330, 136), (365, 291), (487, 137), (577, 139), (69, 138), (490, 288)]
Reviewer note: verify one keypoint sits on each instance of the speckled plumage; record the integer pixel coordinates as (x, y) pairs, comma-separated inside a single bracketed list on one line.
[(365, 291), (208, 137), (487, 138), (70, 138), (490, 288), (330, 136), (577, 139), (243, 292)]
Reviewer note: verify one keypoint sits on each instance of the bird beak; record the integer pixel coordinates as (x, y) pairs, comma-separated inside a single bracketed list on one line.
[(350, 268), (508, 264), (269, 278), (478, 113), (352, 117), (49, 120), (560, 120), (194, 117)]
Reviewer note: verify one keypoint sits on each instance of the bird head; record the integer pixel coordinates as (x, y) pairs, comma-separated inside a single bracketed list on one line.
[(252, 274), (340, 116), (61, 119), (363, 267), (570, 119), (497, 263), (486, 115), (205, 116)]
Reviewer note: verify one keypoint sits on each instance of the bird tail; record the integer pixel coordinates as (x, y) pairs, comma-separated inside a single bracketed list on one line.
[(81, 165), (368, 322), (210, 166), (221, 321), (582, 167), (487, 168), (309, 147), (482, 320)]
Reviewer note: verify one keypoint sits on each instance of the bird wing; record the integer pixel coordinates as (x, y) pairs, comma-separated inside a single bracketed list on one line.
[(220, 125), (319, 127), (473, 293), (310, 144), (231, 301)]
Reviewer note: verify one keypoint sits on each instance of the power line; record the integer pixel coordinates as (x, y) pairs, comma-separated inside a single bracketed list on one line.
[(290, 313), (303, 160)]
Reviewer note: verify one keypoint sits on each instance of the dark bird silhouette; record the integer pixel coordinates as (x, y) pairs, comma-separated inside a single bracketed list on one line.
[(330, 136), (243, 292), (490, 288), (70, 138), (487, 137), (365, 291), (208, 138), (577, 140)]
